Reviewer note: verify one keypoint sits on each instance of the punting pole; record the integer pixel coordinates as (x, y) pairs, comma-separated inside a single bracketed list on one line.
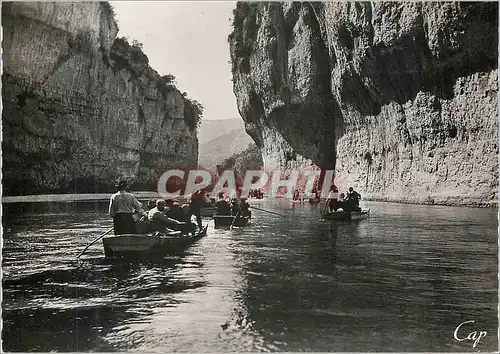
[(236, 217), (97, 239), (267, 211)]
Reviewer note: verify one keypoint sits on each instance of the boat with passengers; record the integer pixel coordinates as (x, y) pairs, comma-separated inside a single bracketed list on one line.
[(346, 215), (231, 220)]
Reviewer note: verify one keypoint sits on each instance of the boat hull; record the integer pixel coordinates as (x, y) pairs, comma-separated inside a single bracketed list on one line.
[(344, 215), (118, 246), (207, 211), (228, 220)]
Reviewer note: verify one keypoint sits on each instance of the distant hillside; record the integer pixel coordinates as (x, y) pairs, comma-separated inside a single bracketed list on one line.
[(251, 158), (212, 129), (222, 147)]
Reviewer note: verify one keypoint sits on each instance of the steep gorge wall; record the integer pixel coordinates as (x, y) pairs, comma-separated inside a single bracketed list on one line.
[(81, 107), (399, 98)]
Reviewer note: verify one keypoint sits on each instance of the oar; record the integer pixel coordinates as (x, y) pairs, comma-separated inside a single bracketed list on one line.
[(97, 239), (267, 211), (323, 211), (231, 227)]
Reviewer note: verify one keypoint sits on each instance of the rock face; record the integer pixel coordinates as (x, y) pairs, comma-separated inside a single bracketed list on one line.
[(399, 98), (249, 159), (81, 107)]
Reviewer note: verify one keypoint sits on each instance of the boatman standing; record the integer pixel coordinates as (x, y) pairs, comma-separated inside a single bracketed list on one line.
[(122, 205), (245, 208), (223, 207)]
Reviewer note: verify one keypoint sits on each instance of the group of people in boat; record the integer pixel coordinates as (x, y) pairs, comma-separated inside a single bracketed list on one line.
[(301, 196), (129, 216), (347, 202), (235, 207)]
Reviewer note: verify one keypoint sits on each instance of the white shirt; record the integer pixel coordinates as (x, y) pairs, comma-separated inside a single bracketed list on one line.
[(123, 202)]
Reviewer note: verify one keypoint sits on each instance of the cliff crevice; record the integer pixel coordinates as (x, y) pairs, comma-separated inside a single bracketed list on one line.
[(82, 107)]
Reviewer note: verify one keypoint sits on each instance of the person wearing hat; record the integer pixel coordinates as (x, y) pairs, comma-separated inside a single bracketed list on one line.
[(122, 205), (160, 221)]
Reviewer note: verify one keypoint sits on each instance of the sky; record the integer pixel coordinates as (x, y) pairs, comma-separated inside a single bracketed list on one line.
[(187, 39)]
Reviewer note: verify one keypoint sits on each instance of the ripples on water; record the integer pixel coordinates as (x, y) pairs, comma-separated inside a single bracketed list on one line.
[(401, 280)]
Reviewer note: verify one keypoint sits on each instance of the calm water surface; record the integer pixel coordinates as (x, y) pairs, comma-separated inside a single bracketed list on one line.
[(402, 280)]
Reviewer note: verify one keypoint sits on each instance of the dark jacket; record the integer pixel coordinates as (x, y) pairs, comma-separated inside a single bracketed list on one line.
[(223, 208)]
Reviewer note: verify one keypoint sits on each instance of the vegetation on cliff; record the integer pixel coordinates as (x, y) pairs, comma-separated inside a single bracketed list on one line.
[(82, 107), (399, 98), (131, 57)]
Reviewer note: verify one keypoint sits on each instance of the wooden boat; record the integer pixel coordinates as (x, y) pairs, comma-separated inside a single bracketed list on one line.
[(156, 244), (228, 220), (345, 215)]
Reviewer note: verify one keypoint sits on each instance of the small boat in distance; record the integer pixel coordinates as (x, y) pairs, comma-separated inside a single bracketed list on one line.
[(307, 201), (346, 215), (153, 244), (228, 220)]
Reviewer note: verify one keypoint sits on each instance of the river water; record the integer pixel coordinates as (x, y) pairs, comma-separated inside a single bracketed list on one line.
[(401, 280)]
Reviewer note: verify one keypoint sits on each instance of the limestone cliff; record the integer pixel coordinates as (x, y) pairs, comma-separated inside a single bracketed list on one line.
[(81, 107), (399, 98)]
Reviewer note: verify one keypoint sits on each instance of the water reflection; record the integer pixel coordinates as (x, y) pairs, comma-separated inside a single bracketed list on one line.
[(401, 280), (403, 287)]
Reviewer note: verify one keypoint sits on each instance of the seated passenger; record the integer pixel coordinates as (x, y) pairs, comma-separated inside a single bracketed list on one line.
[(245, 208), (160, 222), (151, 204), (207, 200), (341, 202), (236, 206), (223, 207), (175, 211), (332, 199), (141, 221)]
